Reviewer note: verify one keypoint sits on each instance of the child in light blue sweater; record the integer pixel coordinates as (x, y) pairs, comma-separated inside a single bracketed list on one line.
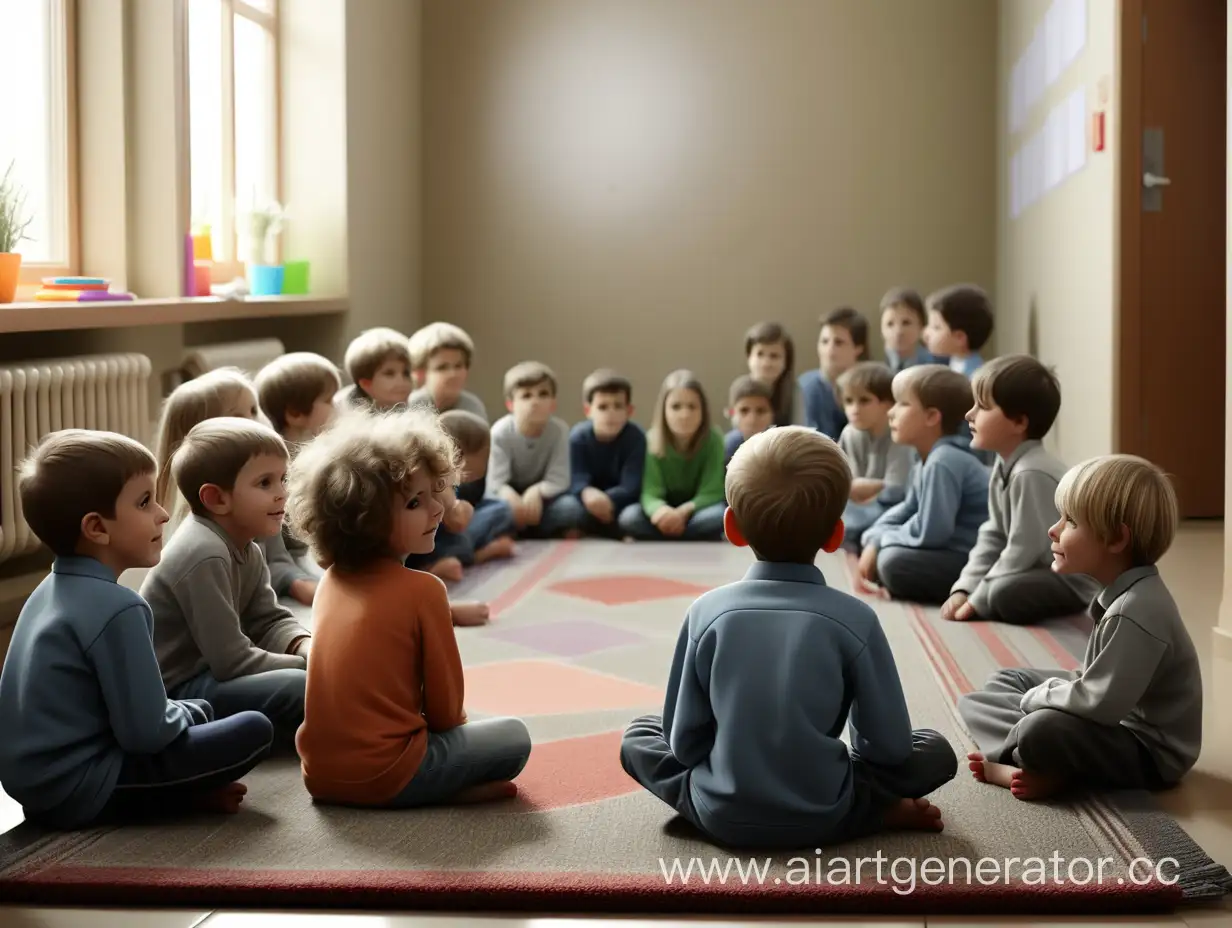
[(917, 549)]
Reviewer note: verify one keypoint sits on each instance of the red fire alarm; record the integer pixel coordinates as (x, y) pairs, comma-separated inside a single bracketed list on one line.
[(1097, 131)]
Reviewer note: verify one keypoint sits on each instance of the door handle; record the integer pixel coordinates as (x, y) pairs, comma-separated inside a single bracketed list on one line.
[(1151, 181)]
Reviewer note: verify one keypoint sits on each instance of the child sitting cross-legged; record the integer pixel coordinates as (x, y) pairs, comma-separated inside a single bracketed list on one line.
[(880, 467), (1131, 717), (751, 411), (682, 485), (385, 724), (770, 669), (219, 631), (1008, 576), (607, 452), (441, 355), (917, 548), (475, 528), (378, 361), (89, 733), (529, 463)]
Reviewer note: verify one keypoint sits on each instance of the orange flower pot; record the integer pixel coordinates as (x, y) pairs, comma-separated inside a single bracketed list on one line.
[(10, 267)]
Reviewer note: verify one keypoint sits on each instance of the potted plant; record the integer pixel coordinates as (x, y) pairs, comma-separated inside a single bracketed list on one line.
[(264, 277), (13, 226)]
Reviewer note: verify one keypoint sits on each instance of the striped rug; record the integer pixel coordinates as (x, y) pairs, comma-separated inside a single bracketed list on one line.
[(581, 642)]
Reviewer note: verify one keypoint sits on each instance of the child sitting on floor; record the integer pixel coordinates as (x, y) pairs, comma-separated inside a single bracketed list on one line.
[(378, 361), (296, 394), (529, 463), (1008, 576), (917, 549), (385, 723), (89, 733), (880, 467), (607, 452), (842, 341), (751, 411), (1131, 717), (959, 325), (475, 528), (219, 631), (770, 669), (682, 485), (441, 356), (770, 354), (902, 325)]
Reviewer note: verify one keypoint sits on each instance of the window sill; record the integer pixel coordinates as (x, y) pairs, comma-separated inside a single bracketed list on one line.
[(63, 317)]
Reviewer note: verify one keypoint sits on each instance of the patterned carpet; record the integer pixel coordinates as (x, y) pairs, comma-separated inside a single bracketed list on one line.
[(580, 643)]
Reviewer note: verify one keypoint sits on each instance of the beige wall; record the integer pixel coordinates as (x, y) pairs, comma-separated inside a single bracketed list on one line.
[(634, 183), (1058, 255)]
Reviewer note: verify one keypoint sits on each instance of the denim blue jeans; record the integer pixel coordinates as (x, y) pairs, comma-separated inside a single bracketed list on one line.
[(705, 524), (560, 514), (276, 694), (473, 753), (492, 518)]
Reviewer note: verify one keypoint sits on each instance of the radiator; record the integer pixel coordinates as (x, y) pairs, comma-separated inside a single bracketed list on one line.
[(109, 392)]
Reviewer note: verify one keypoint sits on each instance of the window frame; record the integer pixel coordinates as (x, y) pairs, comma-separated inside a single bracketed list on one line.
[(224, 271), (32, 273)]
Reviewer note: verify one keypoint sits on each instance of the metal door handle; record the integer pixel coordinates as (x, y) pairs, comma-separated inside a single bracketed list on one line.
[(1150, 180)]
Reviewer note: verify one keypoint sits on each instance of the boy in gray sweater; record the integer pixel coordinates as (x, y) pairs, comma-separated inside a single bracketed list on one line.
[(1131, 718), (1008, 577), (441, 355), (219, 631), (528, 463)]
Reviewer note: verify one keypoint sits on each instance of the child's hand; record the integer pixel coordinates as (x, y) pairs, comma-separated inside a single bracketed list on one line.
[(304, 591), (673, 522), (868, 564), (598, 504), (301, 646), (949, 609), (532, 506)]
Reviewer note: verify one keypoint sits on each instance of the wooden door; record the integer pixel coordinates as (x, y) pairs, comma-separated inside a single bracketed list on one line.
[(1173, 254)]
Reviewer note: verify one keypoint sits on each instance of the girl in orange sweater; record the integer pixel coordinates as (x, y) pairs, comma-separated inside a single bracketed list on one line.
[(383, 718)]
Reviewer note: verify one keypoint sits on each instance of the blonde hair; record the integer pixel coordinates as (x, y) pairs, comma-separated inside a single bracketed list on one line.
[(439, 336), (787, 488), (372, 348), (73, 473), (343, 486), (937, 387), (293, 383), (658, 438), (205, 397), (216, 450), (528, 374), (1112, 490)]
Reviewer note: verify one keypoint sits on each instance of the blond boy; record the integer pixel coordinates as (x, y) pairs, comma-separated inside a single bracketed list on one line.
[(441, 357), (770, 768), (1131, 716), (219, 630), (378, 361), (89, 733)]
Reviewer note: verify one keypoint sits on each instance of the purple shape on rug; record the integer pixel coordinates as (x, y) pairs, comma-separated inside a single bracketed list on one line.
[(566, 639)]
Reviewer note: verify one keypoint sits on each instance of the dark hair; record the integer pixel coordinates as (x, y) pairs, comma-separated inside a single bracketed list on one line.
[(967, 309), (292, 384), (784, 392), (746, 386), (847, 318), (1021, 386), (906, 298), (605, 380), (870, 377)]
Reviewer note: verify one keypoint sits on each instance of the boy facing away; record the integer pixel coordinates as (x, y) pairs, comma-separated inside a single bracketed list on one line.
[(917, 549), (441, 357), (960, 323), (770, 669), (378, 361), (529, 462), (750, 407), (607, 452), (1008, 577), (89, 733), (219, 631), (1131, 717), (842, 341)]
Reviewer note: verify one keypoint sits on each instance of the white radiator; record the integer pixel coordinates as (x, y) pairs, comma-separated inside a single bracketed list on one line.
[(109, 392)]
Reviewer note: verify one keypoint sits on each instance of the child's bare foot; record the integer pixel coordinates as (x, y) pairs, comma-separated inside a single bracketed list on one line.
[(225, 799), (1030, 786), (502, 547), (996, 774), (447, 568), (487, 792), (975, 763), (469, 614), (913, 815)]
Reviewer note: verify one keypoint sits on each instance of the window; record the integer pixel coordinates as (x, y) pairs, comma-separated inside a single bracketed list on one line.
[(38, 130), (233, 123)]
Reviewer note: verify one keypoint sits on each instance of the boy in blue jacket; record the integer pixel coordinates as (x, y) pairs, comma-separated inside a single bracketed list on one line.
[(770, 669), (89, 733), (917, 549), (607, 452)]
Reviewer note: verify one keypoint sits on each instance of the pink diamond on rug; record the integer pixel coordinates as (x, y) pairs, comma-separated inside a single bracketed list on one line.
[(549, 688), (571, 638), (630, 588), (571, 772)]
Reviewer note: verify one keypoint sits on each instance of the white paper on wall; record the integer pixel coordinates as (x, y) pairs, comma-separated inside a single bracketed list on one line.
[(1015, 183), (1054, 41), (1075, 131), (1073, 29), (1054, 145)]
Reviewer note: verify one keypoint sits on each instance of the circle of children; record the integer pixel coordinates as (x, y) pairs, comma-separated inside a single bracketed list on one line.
[(117, 704)]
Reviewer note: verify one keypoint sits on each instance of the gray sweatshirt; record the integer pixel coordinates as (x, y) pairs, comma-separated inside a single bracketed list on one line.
[(1021, 508), (282, 567), (520, 462), (467, 402), (214, 609), (1140, 670), (876, 458)]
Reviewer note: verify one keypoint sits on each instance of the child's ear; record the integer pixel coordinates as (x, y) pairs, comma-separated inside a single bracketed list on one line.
[(94, 530), (836, 538), (586, 409), (365, 384), (1122, 541), (419, 376), (508, 405), (297, 419), (215, 499), (732, 530), (932, 417), (553, 404), (630, 410)]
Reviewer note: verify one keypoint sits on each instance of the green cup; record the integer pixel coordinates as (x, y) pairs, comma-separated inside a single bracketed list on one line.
[(295, 277)]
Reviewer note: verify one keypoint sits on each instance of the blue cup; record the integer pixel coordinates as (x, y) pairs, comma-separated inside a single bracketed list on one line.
[(265, 279)]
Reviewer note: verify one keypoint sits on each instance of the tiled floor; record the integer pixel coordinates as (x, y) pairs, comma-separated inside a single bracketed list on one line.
[(1194, 570)]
